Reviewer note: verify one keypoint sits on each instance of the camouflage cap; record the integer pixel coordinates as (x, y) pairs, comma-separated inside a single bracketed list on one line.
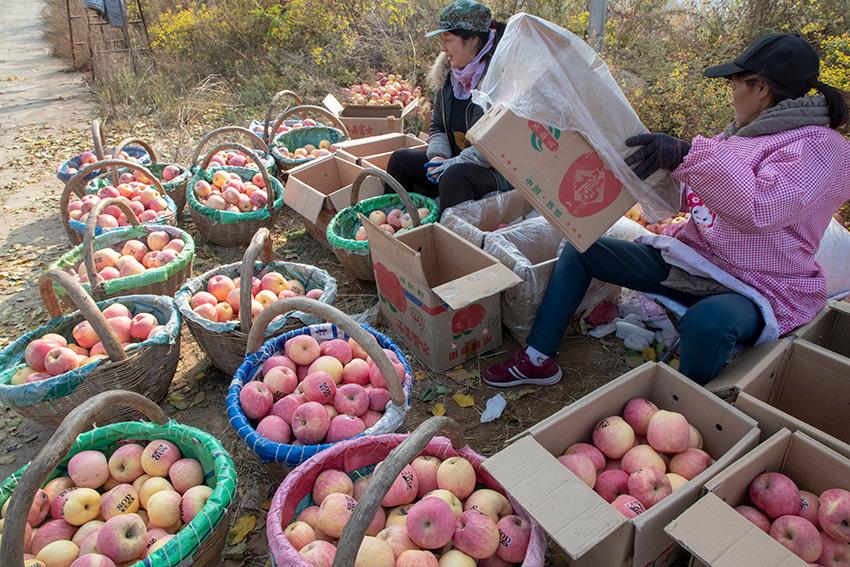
[(467, 15)]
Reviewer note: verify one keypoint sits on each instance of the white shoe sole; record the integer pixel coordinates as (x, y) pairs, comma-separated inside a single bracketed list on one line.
[(528, 381)]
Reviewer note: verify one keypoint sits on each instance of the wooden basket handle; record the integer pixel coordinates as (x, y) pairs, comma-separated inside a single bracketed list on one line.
[(89, 235), (267, 180), (98, 139), (382, 480), (260, 247), (88, 308), (255, 140), (304, 109), (344, 322), (267, 134), (52, 454), (116, 151), (391, 181)]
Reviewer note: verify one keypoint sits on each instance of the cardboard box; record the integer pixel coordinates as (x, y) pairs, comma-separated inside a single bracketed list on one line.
[(440, 293), (718, 536), (377, 146), (558, 172), (830, 329), (378, 162), (799, 386), (319, 189), (364, 121), (578, 520)]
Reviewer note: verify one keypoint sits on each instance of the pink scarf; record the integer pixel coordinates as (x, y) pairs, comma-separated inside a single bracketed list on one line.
[(466, 79)]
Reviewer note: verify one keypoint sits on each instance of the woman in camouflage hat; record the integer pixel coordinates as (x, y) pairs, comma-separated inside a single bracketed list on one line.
[(451, 168)]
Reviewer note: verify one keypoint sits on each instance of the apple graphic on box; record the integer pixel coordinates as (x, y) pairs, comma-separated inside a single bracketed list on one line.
[(430, 523), (374, 552), (775, 494), (330, 481), (799, 535)]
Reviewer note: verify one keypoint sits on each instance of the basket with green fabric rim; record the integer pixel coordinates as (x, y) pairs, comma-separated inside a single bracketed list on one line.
[(199, 542), (146, 367), (231, 157), (79, 188), (224, 342), (354, 254), (262, 128), (70, 167), (284, 146), (162, 277), (232, 228)]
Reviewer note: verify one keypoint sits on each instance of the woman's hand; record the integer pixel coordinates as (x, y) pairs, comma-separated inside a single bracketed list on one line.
[(435, 167), (659, 151)]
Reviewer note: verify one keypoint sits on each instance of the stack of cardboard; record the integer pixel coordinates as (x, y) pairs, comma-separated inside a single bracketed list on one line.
[(375, 151), (363, 121)]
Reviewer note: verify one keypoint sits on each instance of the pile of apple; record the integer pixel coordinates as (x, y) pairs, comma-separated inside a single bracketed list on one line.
[(221, 300), (317, 393), (432, 509), (228, 192), (308, 152), (53, 354), (89, 157), (283, 127), (233, 158), (637, 460), (143, 199), (132, 257), (384, 91), (116, 510), (815, 529), (390, 222), (636, 214)]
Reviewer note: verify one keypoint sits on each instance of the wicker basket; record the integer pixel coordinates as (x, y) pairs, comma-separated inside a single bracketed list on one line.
[(259, 147), (175, 188), (354, 254), (298, 138), (199, 543), (225, 343), (70, 167), (358, 458), (165, 280), (146, 368), (77, 185), (227, 228), (262, 128), (341, 326)]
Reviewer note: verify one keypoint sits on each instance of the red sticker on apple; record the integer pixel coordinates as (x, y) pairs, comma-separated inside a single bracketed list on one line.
[(588, 186)]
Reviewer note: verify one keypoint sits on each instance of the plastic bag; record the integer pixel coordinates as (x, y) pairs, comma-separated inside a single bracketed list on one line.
[(833, 256), (542, 72), (474, 220)]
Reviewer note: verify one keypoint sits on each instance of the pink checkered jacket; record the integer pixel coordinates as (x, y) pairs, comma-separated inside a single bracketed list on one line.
[(759, 208)]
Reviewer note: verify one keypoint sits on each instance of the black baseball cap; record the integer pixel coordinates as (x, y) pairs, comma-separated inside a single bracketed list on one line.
[(787, 60)]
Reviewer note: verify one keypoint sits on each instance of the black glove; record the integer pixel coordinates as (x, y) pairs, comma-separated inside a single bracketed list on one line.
[(659, 151)]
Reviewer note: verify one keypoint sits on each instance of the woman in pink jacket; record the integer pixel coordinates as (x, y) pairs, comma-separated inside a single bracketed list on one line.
[(761, 195)]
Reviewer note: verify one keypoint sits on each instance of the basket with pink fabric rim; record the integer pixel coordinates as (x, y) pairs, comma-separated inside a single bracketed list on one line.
[(359, 524)]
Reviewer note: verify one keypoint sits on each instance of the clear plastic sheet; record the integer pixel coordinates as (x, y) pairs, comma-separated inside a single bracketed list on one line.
[(474, 220)]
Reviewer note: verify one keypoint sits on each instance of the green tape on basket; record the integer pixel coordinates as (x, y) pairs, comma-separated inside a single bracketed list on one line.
[(12, 357), (219, 471), (72, 258), (345, 223), (96, 185), (229, 217), (300, 137)]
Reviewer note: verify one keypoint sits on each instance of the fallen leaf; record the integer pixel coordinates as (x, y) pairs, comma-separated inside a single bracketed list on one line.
[(439, 409), (514, 394), (674, 364), (463, 400), (178, 400), (418, 375), (241, 528), (431, 393), (461, 374), (7, 459), (649, 354)]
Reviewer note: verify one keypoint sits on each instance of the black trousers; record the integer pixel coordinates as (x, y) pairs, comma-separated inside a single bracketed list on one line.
[(459, 183)]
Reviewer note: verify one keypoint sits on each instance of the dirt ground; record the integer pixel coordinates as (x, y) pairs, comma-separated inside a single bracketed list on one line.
[(45, 112)]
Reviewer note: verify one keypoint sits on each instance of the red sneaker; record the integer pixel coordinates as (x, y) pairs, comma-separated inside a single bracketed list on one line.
[(519, 371)]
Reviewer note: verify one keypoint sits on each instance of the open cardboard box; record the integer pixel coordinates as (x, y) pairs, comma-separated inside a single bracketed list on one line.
[(319, 189), (363, 121), (579, 521), (830, 329), (475, 220), (718, 536), (558, 172), (439, 292), (796, 385), (377, 146)]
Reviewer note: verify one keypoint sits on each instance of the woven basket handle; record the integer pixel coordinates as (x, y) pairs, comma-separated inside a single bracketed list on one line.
[(52, 454), (391, 181), (333, 315), (116, 151), (267, 134), (304, 109), (255, 140), (89, 236), (260, 247), (382, 480), (88, 308), (98, 139), (267, 180)]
